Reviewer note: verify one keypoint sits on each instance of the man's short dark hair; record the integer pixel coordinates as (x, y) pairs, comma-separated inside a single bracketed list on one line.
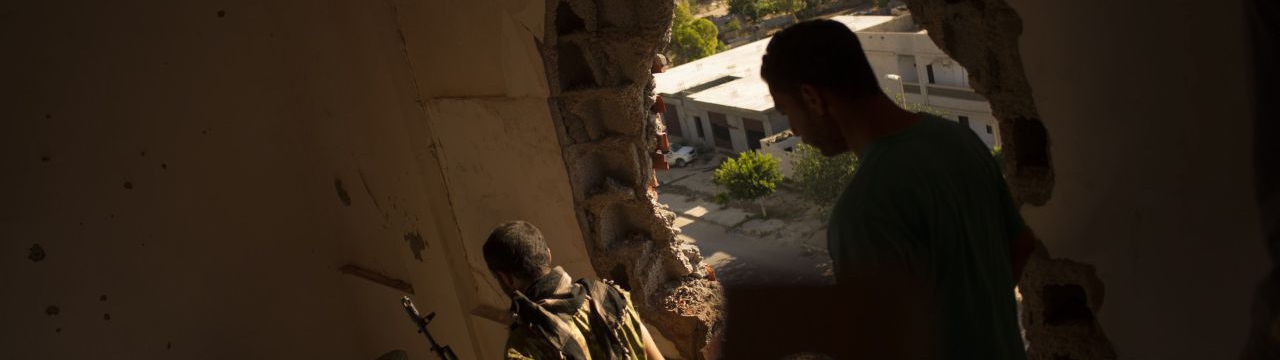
[(517, 248), (822, 53)]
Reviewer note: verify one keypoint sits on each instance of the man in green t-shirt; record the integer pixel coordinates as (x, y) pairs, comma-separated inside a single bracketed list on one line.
[(928, 201)]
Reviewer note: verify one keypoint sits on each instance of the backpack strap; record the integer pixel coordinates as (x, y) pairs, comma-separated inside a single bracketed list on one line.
[(607, 317)]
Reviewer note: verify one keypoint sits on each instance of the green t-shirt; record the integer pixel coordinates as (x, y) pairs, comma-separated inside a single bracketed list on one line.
[(931, 201)]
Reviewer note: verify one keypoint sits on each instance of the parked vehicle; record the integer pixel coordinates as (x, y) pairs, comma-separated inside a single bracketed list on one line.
[(682, 156)]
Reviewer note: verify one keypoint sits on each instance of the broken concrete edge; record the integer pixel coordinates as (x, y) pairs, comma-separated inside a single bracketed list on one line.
[(982, 35), (601, 93), (1057, 326)]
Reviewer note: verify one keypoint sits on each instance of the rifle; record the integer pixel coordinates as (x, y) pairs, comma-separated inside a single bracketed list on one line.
[(445, 353)]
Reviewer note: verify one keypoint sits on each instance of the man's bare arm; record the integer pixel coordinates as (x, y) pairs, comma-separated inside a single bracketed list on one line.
[(650, 349), (1020, 249)]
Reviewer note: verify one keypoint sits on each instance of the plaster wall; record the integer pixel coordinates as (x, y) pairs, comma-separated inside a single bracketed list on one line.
[(190, 176), (1153, 187)]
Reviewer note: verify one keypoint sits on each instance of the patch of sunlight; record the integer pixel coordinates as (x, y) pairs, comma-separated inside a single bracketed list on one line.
[(697, 211), (718, 258), (681, 222)]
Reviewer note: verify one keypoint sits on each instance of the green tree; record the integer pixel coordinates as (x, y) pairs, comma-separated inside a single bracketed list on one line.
[(682, 14), (821, 178), (752, 176), (734, 25), (787, 6), (691, 38), (753, 10), (999, 155), (750, 9)]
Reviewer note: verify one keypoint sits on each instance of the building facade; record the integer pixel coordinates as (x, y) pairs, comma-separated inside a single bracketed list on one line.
[(925, 75), (721, 101)]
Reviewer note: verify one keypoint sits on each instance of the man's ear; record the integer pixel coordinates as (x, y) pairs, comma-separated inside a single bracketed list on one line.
[(813, 100)]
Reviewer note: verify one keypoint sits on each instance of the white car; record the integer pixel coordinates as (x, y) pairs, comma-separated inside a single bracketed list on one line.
[(682, 156)]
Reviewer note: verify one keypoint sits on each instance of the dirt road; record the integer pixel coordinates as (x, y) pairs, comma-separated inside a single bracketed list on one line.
[(744, 260)]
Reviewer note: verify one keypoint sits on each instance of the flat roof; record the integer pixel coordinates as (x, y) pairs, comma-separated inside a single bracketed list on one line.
[(748, 91)]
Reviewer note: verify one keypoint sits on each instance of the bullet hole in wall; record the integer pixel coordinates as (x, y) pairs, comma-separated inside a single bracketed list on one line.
[(45, 158), (416, 244), (36, 253), (1066, 304), (128, 185), (222, 13), (619, 274), (342, 193), (52, 310)]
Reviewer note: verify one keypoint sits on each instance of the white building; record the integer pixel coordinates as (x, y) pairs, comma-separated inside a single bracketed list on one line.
[(721, 100), (928, 76)]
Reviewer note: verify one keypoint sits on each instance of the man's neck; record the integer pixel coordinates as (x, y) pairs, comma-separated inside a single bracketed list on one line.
[(874, 117)]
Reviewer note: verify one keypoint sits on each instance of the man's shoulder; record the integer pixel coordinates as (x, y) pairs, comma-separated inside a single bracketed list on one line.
[(524, 343)]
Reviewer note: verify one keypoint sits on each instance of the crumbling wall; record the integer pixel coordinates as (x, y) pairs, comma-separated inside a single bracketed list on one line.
[(218, 180), (1149, 170), (1059, 297), (264, 180), (598, 56)]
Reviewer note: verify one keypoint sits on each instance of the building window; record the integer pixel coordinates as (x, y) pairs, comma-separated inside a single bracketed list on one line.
[(672, 120), (907, 69), (720, 130), (964, 120), (753, 139), (929, 68), (988, 129), (755, 132), (697, 123)]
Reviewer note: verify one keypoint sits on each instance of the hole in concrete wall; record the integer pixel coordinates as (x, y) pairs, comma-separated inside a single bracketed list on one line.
[(1066, 305), (597, 165), (590, 170), (575, 72), (1032, 141), (36, 253), (566, 21), (613, 114), (617, 13), (606, 138), (619, 275), (619, 223)]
